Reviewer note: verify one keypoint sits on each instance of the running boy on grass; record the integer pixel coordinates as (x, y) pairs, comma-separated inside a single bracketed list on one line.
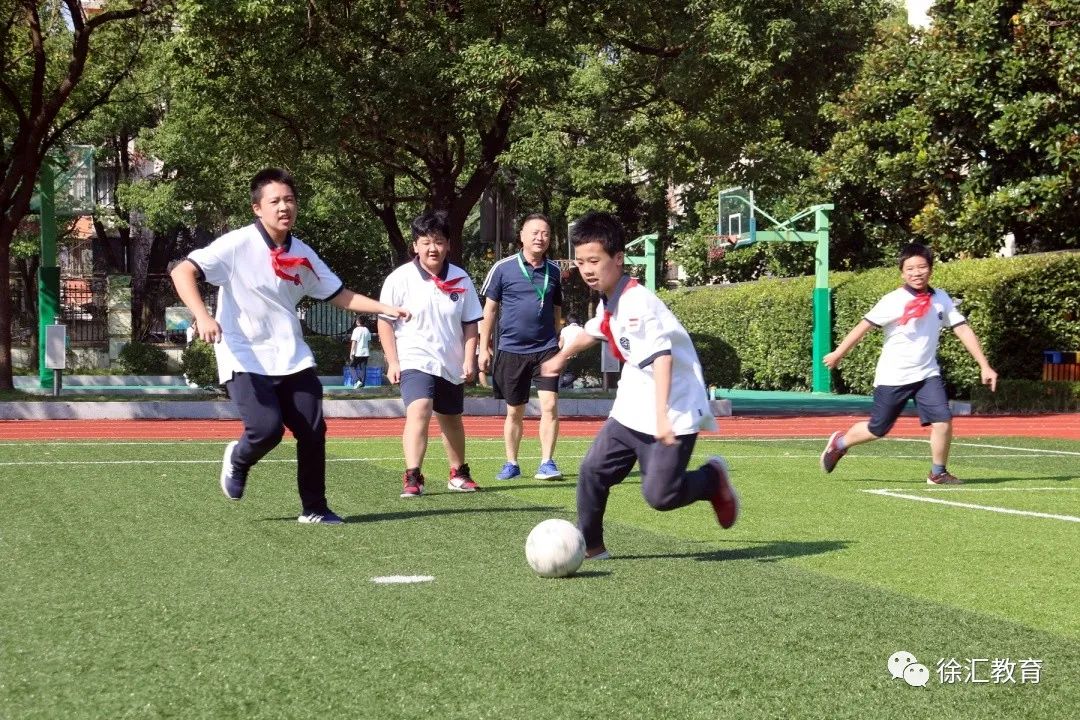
[(433, 354), (911, 317), (262, 272), (661, 403)]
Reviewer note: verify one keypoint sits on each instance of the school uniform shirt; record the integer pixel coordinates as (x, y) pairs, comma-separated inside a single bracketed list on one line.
[(910, 350), (256, 308), (433, 341), (644, 329), (362, 337)]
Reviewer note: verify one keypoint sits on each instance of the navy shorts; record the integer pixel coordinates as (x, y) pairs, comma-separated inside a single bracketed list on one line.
[(889, 401), (514, 373), (449, 399)]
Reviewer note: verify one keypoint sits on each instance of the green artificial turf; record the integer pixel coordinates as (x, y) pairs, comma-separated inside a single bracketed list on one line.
[(132, 588)]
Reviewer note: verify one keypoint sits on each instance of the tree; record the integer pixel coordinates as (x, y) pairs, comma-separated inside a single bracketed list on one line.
[(51, 79), (965, 132)]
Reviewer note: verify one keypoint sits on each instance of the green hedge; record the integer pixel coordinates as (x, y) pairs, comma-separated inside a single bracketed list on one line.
[(138, 358), (1031, 396), (199, 365), (757, 335)]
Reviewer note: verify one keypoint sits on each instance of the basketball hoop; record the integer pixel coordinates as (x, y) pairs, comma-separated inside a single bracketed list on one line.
[(719, 245)]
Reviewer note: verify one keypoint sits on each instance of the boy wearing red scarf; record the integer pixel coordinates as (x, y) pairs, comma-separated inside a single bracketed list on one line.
[(911, 317), (262, 271), (434, 354)]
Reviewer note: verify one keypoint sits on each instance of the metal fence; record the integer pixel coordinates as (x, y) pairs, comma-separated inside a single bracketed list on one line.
[(82, 309)]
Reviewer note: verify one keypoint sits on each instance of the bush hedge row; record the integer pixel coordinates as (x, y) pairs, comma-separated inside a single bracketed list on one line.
[(758, 335)]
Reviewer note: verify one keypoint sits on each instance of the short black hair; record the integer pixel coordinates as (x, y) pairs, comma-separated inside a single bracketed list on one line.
[(534, 216), (572, 319), (916, 250), (601, 227), (430, 223), (266, 176)]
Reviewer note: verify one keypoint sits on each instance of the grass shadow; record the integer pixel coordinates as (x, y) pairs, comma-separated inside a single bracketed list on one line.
[(433, 512), (912, 484), (763, 551)]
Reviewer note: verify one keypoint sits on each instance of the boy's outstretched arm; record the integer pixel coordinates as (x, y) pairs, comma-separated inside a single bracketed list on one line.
[(662, 378), (967, 336), (857, 333), (357, 303), (554, 365)]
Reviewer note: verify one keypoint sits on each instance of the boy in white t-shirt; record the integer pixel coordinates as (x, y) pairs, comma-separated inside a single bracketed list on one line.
[(262, 272), (359, 351), (911, 317), (661, 370), (434, 354)]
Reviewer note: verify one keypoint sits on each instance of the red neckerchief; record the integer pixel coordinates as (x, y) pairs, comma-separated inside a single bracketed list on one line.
[(282, 262), (447, 286), (916, 307), (605, 326)]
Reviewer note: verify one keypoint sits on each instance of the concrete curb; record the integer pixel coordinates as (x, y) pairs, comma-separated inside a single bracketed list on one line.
[(225, 410)]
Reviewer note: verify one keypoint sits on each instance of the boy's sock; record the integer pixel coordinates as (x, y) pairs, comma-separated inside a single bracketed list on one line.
[(840, 444), (936, 469)]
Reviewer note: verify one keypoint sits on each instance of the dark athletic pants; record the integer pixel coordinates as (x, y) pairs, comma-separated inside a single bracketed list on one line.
[(270, 403), (665, 484)]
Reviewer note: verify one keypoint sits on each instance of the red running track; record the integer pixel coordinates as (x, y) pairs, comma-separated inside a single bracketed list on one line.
[(1064, 427)]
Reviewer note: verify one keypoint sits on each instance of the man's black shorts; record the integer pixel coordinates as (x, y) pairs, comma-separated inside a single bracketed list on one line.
[(889, 401), (514, 373)]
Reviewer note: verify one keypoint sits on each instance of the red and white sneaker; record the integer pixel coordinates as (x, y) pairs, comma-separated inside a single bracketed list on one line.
[(461, 480), (725, 500), (943, 478), (831, 455), (412, 485)]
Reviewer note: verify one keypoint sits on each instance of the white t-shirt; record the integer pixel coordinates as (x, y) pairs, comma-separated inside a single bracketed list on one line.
[(645, 329), (910, 350), (361, 337), (257, 309), (433, 341)]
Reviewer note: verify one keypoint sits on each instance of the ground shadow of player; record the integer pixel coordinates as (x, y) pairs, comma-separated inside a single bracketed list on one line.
[(433, 512), (545, 485), (914, 482), (761, 551)]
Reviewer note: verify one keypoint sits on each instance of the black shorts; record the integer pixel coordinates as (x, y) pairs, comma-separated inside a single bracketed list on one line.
[(449, 399), (889, 401), (514, 373)]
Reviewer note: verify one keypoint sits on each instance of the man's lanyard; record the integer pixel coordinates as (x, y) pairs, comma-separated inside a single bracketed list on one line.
[(541, 293)]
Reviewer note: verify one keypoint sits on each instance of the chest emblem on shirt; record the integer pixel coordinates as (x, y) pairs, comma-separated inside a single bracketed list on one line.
[(454, 297), (624, 343), (940, 315)]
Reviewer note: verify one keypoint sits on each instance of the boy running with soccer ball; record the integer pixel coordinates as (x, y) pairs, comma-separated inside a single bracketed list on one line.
[(661, 403), (911, 317)]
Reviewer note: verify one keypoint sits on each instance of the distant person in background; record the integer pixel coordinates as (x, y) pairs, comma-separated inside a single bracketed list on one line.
[(191, 332), (566, 337), (359, 351), (262, 272)]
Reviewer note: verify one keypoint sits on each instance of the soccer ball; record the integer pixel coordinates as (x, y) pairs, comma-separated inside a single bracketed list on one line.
[(555, 548)]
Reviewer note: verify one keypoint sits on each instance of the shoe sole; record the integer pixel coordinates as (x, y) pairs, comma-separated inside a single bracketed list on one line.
[(541, 476), (600, 556), (452, 488), (221, 480), (411, 495), (303, 520), (829, 444)]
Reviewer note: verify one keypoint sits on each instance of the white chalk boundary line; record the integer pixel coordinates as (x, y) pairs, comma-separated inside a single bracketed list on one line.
[(970, 506), (473, 458), (402, 579), (993, 447)]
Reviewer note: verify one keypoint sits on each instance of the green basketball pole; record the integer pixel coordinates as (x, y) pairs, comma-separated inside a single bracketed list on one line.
[(48, 271)]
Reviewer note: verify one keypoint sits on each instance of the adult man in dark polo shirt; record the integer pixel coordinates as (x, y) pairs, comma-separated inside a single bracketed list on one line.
[(527, 287)]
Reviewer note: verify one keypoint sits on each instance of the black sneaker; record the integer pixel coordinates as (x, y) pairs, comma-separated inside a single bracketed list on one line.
[(325, 517), (233, 479)]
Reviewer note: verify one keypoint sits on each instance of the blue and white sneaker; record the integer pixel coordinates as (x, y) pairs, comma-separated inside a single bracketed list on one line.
[(326, 517), (548, 470), (509, 471), (232, 480)]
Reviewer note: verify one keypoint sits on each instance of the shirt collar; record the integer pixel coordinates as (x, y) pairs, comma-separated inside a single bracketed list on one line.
[(611, 303), (913, 291), (526, 263), (269, 241), (424, 274)]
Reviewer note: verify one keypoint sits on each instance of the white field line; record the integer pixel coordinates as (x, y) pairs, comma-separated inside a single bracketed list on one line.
[(992, 447), (971, 506), (402, 579), (998, 489), (397, 458)]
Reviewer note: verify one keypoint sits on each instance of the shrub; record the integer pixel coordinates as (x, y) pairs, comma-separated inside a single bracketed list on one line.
[(138, 358), (330, 353), (1030, 396), (199, 364)]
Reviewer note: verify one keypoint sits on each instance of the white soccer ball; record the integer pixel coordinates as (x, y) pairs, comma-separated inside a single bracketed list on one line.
[(555, 548)]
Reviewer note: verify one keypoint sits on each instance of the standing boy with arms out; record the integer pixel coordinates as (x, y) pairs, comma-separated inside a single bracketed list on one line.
[(528, 289), (661, 403), (262, 272), (434, 354), (911, 317)]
